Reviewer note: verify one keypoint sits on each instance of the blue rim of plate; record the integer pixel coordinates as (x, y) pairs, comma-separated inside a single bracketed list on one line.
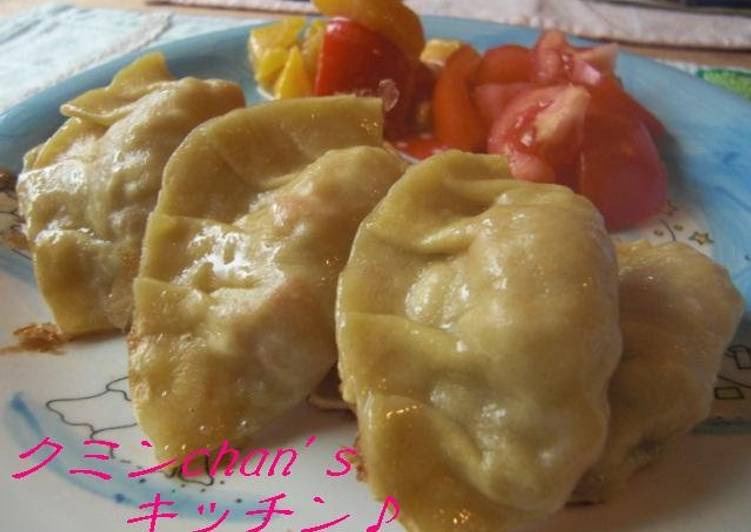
[(708, 149)]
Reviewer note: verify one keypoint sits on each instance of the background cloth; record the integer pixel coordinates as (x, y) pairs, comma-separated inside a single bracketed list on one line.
[(623, 21), (47, 44)]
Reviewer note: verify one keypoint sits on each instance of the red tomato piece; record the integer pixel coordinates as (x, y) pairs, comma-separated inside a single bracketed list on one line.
[(609, 96), (580, 72), (601, 57), (547, 58), (527, 166), (457, 122), (554, 60), (546, 123), (620, 170), (491, 99), (355, 59), (505, 64)]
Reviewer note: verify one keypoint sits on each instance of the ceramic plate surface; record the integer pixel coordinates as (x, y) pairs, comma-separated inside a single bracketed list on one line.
[(703, 483)]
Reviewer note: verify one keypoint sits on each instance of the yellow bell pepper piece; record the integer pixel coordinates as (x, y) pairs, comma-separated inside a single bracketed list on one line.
[(437, 51), (282, 34), (269, 66), (391, 18), (293, 82), (311, 46)]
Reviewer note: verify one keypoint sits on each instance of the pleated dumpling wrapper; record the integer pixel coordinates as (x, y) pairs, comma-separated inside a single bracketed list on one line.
[(234, 315), (679, 311), (87, 191), (478, 327)]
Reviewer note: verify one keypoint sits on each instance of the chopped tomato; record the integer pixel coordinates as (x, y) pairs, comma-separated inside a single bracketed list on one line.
[(491, 99), (620, 170), (505, 64), (581, 72), (559, 114), (601, 57), (554, 60), (457, 122), (355, 59), (546, 123), (390, 18), (527, 166), (547, 59), (609, 96)]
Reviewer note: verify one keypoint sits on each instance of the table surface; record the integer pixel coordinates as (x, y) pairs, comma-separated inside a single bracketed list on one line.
[(705, 57)]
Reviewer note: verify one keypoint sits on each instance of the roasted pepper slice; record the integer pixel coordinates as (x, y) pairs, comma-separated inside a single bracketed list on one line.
[(457, 121)]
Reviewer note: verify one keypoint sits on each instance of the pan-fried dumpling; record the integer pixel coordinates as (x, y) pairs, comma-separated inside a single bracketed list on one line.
[(478, 327), (234, 315), (87, 191), (679, 310)]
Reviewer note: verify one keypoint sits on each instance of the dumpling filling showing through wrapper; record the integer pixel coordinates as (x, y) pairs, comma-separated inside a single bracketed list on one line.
[(87, 191), (478, 329), (234, 303)]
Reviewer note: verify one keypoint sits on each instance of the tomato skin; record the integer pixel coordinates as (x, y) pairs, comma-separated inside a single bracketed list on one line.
[(457, 122), (560, 115), (390, 18), (505, 64), (491, 99), (355, 59), (556, 61), (620, 170), (609, 96)]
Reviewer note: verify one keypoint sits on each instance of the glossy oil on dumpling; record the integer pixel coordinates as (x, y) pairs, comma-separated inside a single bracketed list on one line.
[(679, 310), (234, 315), (87, 191), (478, 327)]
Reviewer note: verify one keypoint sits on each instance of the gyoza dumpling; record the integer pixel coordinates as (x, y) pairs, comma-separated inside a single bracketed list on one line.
[(87, 191), (234, 315), (679, 311), (478, 328)]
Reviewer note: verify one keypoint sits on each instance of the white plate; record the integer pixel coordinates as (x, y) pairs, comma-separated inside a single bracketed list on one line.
[(704, 482)]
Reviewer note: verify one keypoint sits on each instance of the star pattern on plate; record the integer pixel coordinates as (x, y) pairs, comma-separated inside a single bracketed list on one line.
[(741, 354), (670, 208), (728, 393), (701, 238)]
